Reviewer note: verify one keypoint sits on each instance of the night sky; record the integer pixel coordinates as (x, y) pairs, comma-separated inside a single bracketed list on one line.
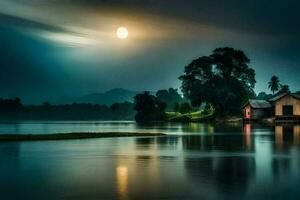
[(60, 48)]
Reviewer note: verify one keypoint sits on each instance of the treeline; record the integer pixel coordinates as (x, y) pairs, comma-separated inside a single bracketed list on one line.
[(276, 87), (12, 109), (151, 107), (10, 105), (171, 98), (222, 80), (155, 105), (218, 84), (213, 86)]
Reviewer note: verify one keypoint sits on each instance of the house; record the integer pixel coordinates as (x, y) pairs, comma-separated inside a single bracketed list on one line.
[(286, 106), (283, 107), (256, 109)]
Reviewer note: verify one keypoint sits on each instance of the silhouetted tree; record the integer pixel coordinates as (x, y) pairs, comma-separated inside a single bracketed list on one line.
[(176, 107), (46, 103), (222, 79), (114, 106), (148, 108), (274, 84), (18, 101), (14, 110), (170, 97), (185, 107), (160, 110), (208, 109), (263, 96), (11, 105), (284, 89)]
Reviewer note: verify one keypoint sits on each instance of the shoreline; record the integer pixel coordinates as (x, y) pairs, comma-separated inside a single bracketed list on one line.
[(71, 136)]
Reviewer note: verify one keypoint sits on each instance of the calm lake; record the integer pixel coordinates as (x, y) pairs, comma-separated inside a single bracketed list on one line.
[(193, 161)]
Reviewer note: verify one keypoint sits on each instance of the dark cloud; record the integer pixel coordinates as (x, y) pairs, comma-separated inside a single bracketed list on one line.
[(257, 16)]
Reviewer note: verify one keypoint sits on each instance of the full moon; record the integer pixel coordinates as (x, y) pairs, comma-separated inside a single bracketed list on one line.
[(122, 33)]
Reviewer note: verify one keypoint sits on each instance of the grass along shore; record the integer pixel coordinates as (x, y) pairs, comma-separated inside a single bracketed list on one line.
[(70, 136), (196, 116)]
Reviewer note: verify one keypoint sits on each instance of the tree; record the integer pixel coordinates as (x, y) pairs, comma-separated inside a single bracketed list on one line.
[(185, 107), (11, 105), (46, 104), (263, 96), (176, 107), (170, 97), (232, 63), (148, 108), (115, 106), (208, 109), (274, 84), (284, 89), (222, 79)]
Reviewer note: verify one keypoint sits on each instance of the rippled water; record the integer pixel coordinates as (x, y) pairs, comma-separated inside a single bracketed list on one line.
[(48, 127), (194, 161)]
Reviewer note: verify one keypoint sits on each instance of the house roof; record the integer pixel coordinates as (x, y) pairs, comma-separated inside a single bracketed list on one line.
[(277, 97), (258, 103), (296, 95)]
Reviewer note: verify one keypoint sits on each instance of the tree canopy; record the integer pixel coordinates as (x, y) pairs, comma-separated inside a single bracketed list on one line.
[(222, 79), (284, 89), (264, 96), (148, 108), (184, 107), (170, 97)]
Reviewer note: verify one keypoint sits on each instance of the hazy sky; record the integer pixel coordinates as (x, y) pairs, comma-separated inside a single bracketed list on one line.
[(69, 48)]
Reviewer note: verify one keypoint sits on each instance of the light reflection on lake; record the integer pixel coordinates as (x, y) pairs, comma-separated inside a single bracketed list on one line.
[(203, 162), (48, 127), (122, 179)]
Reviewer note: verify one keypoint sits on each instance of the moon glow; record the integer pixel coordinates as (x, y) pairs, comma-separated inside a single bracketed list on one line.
[(122, 33)]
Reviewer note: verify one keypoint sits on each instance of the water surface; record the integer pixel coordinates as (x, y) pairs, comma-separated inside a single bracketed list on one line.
[(193, 161)]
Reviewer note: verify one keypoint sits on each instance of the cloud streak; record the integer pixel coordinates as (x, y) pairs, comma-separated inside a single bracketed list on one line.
[(85, 23)]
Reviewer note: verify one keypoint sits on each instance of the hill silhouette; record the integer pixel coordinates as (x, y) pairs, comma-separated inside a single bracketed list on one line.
[(116, 95)]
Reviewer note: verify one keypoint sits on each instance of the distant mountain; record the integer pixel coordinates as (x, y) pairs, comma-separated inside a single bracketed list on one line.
[(112, 96)]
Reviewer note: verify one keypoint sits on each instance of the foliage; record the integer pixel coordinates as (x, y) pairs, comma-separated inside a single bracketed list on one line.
[(284, 89), (10, 105), (222, 79), (148, 108), (46, 103), (208, 109), (263, 96), (274, 84), (171, 97), (197, 116), (184, 107), (12, 109)]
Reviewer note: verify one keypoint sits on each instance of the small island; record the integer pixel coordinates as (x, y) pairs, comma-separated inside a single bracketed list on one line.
[(71, 136)]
